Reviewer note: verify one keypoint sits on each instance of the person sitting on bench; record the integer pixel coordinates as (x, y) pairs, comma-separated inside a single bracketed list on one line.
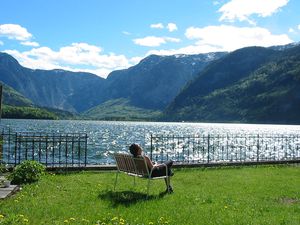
[(158, 169)]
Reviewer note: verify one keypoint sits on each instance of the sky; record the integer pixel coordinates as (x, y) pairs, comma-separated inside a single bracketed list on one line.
[(100, 36)]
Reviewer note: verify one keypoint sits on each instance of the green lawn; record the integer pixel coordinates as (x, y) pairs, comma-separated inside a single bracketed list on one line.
[(248, 195)]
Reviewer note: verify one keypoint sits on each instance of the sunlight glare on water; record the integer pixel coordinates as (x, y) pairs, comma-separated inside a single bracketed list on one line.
[(106, 137)]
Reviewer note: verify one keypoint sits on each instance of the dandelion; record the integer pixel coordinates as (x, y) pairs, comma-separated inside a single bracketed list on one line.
[(21, 215), (151, 223), (115, 218), (1, 216), (66, 221), (72, 219), (225, 206), (25, 220)]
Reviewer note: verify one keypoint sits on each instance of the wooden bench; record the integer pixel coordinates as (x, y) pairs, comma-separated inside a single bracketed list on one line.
[(136, 167)]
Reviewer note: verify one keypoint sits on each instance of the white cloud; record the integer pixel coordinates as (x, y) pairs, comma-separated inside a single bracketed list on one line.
[(15, 31), (189, 50), (229, 38), (75, 57), (242, 9), (216, 3), (157, 26), (135, 60), (225, 38), (1, 43), (172, 27), (299, 27), (30, 43), (126, 33), (291, 30), (153, 41)]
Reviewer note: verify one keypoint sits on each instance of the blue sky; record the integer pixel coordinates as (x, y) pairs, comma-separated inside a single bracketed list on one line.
[(100, 36)]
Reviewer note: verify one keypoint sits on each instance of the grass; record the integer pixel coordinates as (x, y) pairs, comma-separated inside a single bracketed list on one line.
[(247, 195)]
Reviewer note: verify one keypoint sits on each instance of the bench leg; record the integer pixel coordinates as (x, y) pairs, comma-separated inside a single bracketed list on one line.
[(116, 180)]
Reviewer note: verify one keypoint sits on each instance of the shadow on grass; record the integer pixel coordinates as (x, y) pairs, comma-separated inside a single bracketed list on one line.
[(127, 198)]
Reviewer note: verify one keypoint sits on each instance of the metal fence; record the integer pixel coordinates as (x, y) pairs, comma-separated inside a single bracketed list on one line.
[(51, 149), (225, 148)]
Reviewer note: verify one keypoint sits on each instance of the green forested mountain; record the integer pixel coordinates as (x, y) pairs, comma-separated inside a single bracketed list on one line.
[(152, 84), (120, 109), (156, 80), (51, 88), (12, 97), (17, 106), (254, 85)]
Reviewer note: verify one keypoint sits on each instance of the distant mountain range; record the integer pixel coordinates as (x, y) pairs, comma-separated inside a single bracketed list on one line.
[(253, 84), (152, 84)]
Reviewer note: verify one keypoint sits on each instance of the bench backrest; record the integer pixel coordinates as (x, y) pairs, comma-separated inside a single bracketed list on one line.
[(129, 164)]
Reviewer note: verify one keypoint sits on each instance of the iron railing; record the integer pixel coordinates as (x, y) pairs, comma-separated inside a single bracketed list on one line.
[(51, 149), (224, 148)]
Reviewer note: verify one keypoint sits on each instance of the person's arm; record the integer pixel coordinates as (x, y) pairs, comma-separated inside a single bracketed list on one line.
[(149, 163)]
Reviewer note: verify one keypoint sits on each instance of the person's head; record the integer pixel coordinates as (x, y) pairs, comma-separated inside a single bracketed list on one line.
[(135, 150)]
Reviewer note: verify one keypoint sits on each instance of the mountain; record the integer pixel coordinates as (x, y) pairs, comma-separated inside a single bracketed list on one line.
[(156, 80), (120, 109), (253, 84), (14, 98), (15, 105), (151, 84), (51, 88)]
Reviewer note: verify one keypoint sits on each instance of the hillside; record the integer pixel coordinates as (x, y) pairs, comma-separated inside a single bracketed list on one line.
[(151, 84), (156, 80), (120, 109), (50, 88), (252, 85), (12, 97), (15, 105)]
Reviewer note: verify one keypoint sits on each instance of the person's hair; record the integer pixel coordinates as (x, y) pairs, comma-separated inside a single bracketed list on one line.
[(134, 148)]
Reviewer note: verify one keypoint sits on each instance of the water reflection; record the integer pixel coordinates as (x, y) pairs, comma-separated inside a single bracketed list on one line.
[(105, 137)]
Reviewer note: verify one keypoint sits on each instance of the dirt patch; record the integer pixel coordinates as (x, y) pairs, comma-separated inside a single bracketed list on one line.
[(289, 201)]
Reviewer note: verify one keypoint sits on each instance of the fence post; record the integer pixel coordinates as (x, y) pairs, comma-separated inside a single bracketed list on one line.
[(257, 152), (208, 146), (151, 146), (16, 148), (85, 156)]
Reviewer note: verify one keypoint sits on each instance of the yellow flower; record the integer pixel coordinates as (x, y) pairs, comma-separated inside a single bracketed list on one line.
[(122, 220), (66, 221), (115, 218), (25, 220), (73, 219), (225, 206), (151, 223), (1, 216), (21, 215)]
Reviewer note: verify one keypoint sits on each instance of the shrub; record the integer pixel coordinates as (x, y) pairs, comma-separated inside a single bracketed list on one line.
[(27, 172)]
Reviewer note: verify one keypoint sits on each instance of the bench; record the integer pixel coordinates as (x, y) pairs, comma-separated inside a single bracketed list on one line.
[(136, 167)]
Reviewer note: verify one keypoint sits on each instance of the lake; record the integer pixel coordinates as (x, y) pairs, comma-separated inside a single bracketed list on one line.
[(106, 137)]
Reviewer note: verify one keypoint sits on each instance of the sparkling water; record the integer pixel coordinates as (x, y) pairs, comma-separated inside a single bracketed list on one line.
[(106, 137)]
